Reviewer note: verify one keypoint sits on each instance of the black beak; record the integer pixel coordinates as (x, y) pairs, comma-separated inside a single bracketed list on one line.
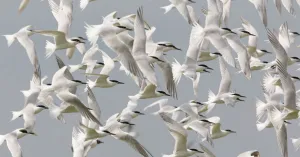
[(287, 122), (206, 71), (191, 1), (123, 27), (108, 132)]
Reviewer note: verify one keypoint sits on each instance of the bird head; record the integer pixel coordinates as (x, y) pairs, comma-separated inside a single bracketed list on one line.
[(295, 59)]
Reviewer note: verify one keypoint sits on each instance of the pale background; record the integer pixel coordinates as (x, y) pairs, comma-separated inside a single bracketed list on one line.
[(55, 138)]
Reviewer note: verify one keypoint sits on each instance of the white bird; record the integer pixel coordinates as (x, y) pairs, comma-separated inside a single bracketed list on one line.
[(61, 42), (23, 37), (296, 143), (67, 73), (78, 142), (103, 80), (139, 49), (163, 107), (241, 50), (215, 129), (252, 40), (281, 131), (224, 95), (131, 141), (250, 153), (214, 33), (73, 100), (260, 6), (12, 141), (108, 33), (180, 136), (181, 6), (63, 15), (149, 91), (257, 64), (87, 63)]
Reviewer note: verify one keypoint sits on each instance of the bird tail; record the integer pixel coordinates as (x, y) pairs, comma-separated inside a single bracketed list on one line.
[(55, 112), (91, 33), (91, 83), (260, 108), (260, 126), (83, 4), (2, 139), (10, 39), (177, 71), (74, 68), (296, 143), (168, 8), (15, 115), (211, 96), (50, 48)]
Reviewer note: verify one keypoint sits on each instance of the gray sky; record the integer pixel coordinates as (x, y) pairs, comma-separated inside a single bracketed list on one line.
[(54, 136)]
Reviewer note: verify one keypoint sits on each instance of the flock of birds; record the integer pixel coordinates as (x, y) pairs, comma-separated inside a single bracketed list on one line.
[(137, 54)]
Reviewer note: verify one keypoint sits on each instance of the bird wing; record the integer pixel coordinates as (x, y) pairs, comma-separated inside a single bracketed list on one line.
[(207, 152), (23, 5), (161, 103), (183, 10), (280, 52), (262, 11), (168, 77), (72, 99), (93, 104), (222, 46), (288, 87), (139, 44), (59, 37), (284, 37), (88, 56), (109, 64), (252, 41), (81, 48), (59, 75), (200, 129), (134, 144), (63, 19), (29, 46), (226, 78), (68, 74), (13, 145), (178, 133)]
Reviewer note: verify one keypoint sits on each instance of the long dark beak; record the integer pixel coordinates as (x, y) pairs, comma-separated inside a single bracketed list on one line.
[(240, 99), (287, 122), (209, 68), (206, 71), (82, 42), (191, 1), (179, 49), (233, 32), (251, 34), (123, 27)]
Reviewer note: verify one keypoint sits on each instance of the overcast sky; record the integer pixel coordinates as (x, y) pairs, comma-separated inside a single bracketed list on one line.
[(54, 138)]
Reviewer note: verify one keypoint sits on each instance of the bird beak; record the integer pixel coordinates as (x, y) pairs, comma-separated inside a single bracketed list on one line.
[(210, 68), (121, 83), (191, 1), (33, 133), (206, 71), (287, 122), (232, 131), (251, 34), (179, 49), (123, 27), (233, 32)]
